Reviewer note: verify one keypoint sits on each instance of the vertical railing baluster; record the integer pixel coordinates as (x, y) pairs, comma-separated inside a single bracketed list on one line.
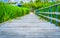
[(37, 12), (50, 10), (56, 15), (52, 0)]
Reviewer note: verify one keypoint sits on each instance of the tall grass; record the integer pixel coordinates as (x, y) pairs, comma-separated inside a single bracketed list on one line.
[(9, 12)]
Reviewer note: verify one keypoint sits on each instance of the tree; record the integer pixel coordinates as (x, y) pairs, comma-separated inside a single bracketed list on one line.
[(21, 2), (31, 1), (38, 1)]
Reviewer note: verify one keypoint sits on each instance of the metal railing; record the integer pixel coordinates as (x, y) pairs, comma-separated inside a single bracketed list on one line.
[(50, 13)]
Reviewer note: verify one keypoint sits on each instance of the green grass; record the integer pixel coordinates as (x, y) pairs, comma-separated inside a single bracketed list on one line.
[(8, 12), (47, 9)]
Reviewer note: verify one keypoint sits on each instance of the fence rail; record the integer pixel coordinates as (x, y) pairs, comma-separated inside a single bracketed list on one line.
[(50, 13), (50, 17)]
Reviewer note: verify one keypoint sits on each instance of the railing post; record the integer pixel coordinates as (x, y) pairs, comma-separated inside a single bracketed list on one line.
[(37, 12), (50, 10), (56, 15), (52, 0)]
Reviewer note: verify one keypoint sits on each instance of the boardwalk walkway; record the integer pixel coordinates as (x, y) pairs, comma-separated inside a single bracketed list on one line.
[(29, 26)]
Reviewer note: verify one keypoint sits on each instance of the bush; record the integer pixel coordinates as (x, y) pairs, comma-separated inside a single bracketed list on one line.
[(9, 12)]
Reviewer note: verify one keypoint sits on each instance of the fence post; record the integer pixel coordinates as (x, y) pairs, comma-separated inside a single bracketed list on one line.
[(37, 12), (52, 0), (56, 15), (50, 10)]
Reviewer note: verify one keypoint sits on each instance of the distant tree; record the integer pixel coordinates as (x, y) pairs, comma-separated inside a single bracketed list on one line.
[(41, 1), (38, 1), (31, 1), (58, 0), (21, 2)]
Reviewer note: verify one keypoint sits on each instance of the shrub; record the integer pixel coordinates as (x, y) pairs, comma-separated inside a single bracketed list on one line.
[(9, 12)]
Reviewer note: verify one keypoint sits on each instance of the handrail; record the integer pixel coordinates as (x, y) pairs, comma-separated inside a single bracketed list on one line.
[(50, 12), (50, 17)]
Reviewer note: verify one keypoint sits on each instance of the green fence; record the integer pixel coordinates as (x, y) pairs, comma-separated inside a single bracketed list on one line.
[(51, 14)]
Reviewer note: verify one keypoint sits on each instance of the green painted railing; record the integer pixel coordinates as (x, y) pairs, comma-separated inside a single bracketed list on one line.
[(50, 13)]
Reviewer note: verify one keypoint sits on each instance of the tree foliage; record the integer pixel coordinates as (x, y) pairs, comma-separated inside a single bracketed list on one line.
[(38, 4)]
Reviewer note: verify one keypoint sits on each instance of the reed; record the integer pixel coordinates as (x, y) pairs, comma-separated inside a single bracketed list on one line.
[(8, 12)]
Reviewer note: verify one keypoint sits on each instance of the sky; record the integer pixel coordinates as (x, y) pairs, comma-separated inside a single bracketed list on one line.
[(26, 0), (20, 0), (23, 0)]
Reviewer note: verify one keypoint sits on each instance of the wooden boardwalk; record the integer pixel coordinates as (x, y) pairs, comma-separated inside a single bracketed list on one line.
[(29, 26)]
